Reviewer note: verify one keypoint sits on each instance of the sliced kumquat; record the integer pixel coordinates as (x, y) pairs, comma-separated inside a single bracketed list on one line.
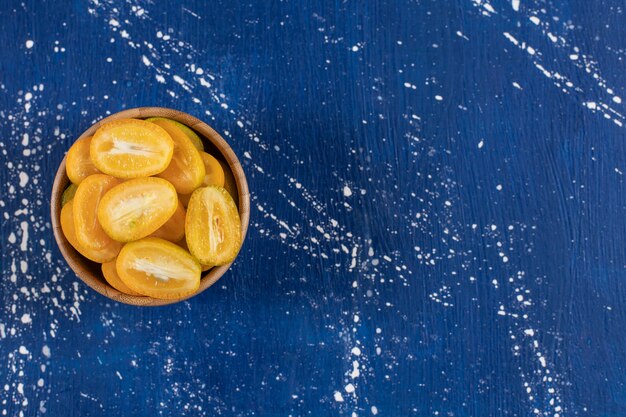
[(110, 275), (214, 172), (174, 229), (213, 226), (214, 175), (193, 136), (136, 208), (158, 268), (78, 164), (186, 170), (89, 232), (131, 148), (67, 226)]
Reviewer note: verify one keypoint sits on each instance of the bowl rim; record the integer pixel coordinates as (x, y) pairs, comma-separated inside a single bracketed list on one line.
[(79, 264)]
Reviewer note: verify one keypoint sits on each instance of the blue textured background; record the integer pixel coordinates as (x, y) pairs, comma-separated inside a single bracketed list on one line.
[(438, 203)]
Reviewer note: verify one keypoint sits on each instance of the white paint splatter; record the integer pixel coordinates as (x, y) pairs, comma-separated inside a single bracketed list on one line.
[(511, 38), (24, 243), (23, 179)]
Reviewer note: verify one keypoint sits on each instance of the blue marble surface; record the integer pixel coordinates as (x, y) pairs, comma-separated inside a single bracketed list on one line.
[(438, 208)]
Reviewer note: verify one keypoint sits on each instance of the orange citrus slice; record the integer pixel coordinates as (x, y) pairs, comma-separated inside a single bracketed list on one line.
[(158, 268), (186, 170), (214, 172), (89, 232), (193, 136), (137, 208), (213, 226), (214, 175), (67, 226), (78, 163), (131, 148)]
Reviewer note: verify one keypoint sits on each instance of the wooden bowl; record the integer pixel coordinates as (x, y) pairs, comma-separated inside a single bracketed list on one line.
[(89, 271)]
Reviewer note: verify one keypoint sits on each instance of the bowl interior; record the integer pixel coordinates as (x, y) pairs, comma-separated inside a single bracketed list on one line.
[(90, 271)]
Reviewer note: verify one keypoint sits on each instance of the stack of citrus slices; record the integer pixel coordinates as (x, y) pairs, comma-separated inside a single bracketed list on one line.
[(151, 206)]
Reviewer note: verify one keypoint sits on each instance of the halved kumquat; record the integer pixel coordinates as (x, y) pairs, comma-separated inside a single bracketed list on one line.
[(67, 226), (131, 148), (213, 226), (214, 173), (158, 268), (136, 208), (193, 136), (78, 164), (89, 232), (186, 170)]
